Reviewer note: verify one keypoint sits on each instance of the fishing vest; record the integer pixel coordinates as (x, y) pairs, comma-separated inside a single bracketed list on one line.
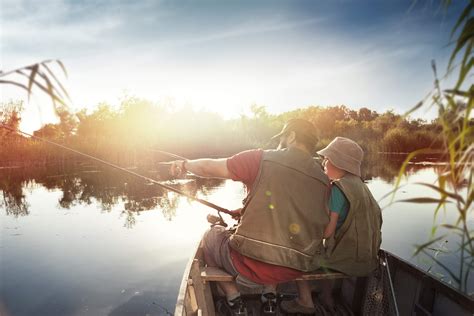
[(286, 212), (355, 246)]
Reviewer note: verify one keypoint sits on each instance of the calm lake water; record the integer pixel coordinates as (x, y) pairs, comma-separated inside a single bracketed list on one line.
[(85, 240)]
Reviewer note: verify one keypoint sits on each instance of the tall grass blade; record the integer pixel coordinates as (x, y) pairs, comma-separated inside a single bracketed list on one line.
[(423, 200), (457, 92), (466, 34), (34, 70), (443, 192), (405, 164), (48, 89), (57, 81), (14, 83), (449, 226), (419, 248), (465, 13), (62, 67), (445, 268)]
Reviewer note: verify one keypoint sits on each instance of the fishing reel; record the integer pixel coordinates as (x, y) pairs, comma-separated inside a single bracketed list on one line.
[(216, 220)]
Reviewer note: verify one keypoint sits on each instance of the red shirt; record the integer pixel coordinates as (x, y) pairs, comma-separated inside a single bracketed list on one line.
[(244, 167)]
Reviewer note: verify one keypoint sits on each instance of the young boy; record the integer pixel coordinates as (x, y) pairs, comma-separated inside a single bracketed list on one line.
[(356, 250)]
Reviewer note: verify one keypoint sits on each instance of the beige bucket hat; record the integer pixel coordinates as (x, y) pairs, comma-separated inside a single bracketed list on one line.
[(345, 154)]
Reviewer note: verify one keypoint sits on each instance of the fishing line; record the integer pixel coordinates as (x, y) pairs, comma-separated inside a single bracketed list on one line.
[(204, 202), (168, 154)]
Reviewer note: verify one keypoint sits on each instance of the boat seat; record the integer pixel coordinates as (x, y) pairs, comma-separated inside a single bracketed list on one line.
[(323, 275), (213, 274)]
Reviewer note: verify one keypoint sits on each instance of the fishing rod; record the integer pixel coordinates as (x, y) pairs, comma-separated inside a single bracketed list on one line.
[(204, 202), (168, 154)]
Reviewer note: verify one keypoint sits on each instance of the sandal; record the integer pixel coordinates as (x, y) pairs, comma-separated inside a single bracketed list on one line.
[(293, 307)]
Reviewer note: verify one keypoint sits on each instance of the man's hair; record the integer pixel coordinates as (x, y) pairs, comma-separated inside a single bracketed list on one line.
[(305, 132), (304, 140)]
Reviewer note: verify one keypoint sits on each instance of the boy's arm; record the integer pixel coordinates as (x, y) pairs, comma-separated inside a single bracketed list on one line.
[(331, 227)]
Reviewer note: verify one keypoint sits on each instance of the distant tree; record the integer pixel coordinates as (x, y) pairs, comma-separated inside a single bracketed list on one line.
[(366, 115), (10, 116), (48, 131)]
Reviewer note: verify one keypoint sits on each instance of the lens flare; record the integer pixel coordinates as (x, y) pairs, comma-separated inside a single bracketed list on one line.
[(294, 228)]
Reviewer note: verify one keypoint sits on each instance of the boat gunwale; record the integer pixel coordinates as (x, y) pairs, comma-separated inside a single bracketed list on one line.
[(449, 291), (180, 308)]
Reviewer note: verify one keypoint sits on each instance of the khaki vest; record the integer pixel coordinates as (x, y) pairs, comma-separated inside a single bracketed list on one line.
[(286, 212), (355, 246)]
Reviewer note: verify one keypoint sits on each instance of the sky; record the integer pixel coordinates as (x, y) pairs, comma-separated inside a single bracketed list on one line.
[(225, 55)]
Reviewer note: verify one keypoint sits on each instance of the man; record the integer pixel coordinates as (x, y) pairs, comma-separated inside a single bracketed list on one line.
[(282, 223)]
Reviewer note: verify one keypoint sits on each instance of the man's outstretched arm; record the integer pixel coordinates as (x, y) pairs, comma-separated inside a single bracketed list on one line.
[(209, 168)]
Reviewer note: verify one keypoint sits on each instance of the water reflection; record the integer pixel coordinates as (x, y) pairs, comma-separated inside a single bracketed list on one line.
[(90, 184)]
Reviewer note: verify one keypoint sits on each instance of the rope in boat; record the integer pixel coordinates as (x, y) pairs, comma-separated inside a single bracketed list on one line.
[(204, 202)]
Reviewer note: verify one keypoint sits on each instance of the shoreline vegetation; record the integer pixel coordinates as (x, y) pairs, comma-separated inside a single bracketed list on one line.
[(131, 134)]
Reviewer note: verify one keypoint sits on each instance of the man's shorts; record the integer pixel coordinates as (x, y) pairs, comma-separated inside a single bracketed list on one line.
[(216, 246)]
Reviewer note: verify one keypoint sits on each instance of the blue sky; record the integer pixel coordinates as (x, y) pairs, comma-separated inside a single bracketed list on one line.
[(225, 55)]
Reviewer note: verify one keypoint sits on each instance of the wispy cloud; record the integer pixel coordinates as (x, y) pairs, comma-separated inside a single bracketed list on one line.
[(227, 55), (250, 28)]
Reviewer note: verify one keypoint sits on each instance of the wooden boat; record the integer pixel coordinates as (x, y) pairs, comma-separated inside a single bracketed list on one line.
[(396, 288)]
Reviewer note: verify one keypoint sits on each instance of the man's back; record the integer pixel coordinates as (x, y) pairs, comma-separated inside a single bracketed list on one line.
[(286, 211)]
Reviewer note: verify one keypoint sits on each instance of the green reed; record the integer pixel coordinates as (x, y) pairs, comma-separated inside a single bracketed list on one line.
[(455, 181)]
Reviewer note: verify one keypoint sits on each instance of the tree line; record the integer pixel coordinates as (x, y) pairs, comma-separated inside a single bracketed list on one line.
[(129, 134)]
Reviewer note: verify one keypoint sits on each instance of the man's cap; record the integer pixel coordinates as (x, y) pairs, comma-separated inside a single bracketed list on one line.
[(304, 130), (345, 154)]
